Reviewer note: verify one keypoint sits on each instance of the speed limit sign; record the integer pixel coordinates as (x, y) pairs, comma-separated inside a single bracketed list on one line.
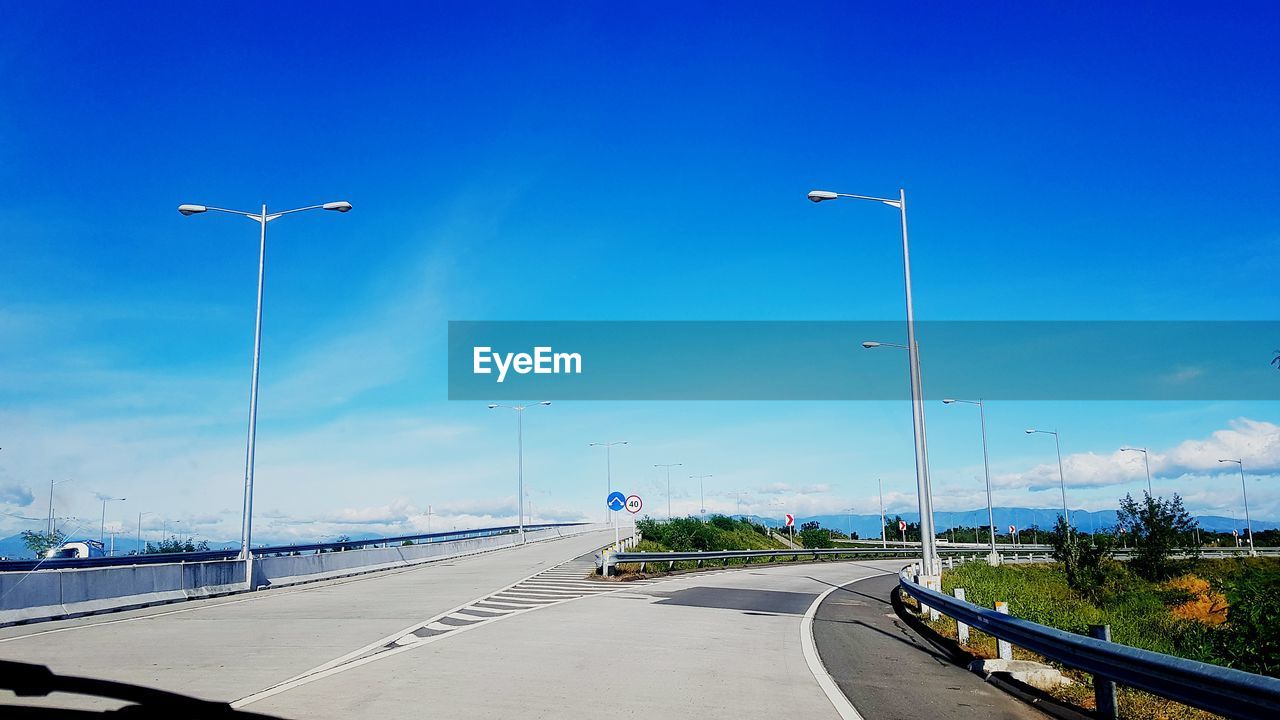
[(634, 503)]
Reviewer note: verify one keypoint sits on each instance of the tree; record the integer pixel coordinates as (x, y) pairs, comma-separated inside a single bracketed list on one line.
[(174, 545), (813, 536), (1082, 557), (41, 543), (1159, 528), (891, 531)]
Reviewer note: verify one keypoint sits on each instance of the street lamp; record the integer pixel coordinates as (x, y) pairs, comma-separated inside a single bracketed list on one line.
[(931, 564), (519, 411), (668, 467), (994, 558), (608, 471), (140, 529), (102, 529), (51, 484), (702, 498), (1243, 488), (1061, 478), (1146, 460), (924, 491), (884, 542), (246, 527)]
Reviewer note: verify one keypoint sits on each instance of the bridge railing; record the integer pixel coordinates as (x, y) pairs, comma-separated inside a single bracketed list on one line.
[(60, 591), (1229, 692), (268, 550)]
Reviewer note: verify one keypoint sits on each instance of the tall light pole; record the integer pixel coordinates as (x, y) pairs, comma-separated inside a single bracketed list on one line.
[(849, 511), (608, 470), (51, 484), (884, 542), (702, 498), (140, 530), (994, 557), (1244, 489), (246, 526), (102, 529), (1146, 459), (931, 564), (668, 467), (519, 411), (1062, 480), (924, 491)]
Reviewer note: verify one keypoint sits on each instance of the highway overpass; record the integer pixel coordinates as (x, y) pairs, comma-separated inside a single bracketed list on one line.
[(525, 631)]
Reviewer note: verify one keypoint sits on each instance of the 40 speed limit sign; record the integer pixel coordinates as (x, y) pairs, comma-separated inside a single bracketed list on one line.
[(634, 503)]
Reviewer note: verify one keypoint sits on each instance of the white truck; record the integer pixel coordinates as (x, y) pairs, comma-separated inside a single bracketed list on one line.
[(76, 549)]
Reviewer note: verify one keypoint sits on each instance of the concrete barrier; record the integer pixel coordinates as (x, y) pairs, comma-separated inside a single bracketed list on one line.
[(55, 593)]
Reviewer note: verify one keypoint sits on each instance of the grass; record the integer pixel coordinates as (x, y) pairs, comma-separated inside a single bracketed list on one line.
[(1183, 616)]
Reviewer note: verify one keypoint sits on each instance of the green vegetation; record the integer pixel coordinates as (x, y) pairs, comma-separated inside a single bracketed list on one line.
[(41, 543), (1159, 528), (1225, 612), (175, 545), (691, 534), (1082, 558), (813, 535)]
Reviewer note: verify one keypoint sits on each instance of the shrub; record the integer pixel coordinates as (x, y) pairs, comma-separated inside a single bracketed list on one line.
[(1160, 527), (1081, 557)]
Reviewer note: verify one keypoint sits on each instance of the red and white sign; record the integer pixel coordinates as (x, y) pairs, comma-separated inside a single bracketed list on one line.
[(1236, 533), (902, 526), (1012, 530), (634, 503), (791, 520)]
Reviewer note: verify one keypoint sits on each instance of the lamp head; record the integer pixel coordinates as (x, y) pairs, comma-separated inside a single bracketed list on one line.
[(192, 209), (947, 401), (820, 195), (341, 206), (870, 344), (545, 402), (1030, 430), (492, 406)]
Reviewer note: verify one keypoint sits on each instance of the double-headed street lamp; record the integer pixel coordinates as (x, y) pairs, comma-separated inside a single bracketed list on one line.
[(994, 557), (102, 529), (1244, 489), (1146, 459), (702, 498), (608, 471), (1061, 477), (668, 467), (246, 527), (519, 411)]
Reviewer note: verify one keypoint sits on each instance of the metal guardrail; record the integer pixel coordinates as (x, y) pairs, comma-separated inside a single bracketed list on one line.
[(611, 560), (232, 554), (1229, 692), (607, 561)]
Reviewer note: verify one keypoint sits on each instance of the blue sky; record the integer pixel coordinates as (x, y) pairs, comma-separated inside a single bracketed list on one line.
[(585, 161)]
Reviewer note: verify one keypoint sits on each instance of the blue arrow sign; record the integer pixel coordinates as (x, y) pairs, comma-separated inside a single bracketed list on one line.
[(616, 501)]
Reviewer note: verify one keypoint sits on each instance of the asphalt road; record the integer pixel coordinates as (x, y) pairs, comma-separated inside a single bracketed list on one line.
[(888, 671)]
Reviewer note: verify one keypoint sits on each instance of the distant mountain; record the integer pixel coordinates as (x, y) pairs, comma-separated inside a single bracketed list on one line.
[(868, 526)]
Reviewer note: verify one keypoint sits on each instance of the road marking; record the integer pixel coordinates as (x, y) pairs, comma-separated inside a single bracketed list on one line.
[(511, 600), (842, 705)]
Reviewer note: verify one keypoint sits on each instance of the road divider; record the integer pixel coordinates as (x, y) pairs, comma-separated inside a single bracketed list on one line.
[(57, 592)]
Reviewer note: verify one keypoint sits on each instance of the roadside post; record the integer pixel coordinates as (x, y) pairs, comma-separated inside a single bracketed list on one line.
[(1104, 690), (615, 502)]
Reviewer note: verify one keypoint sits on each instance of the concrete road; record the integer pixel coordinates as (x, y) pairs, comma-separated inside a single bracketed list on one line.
[(521, 631), (231, 647), (720, 644)]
